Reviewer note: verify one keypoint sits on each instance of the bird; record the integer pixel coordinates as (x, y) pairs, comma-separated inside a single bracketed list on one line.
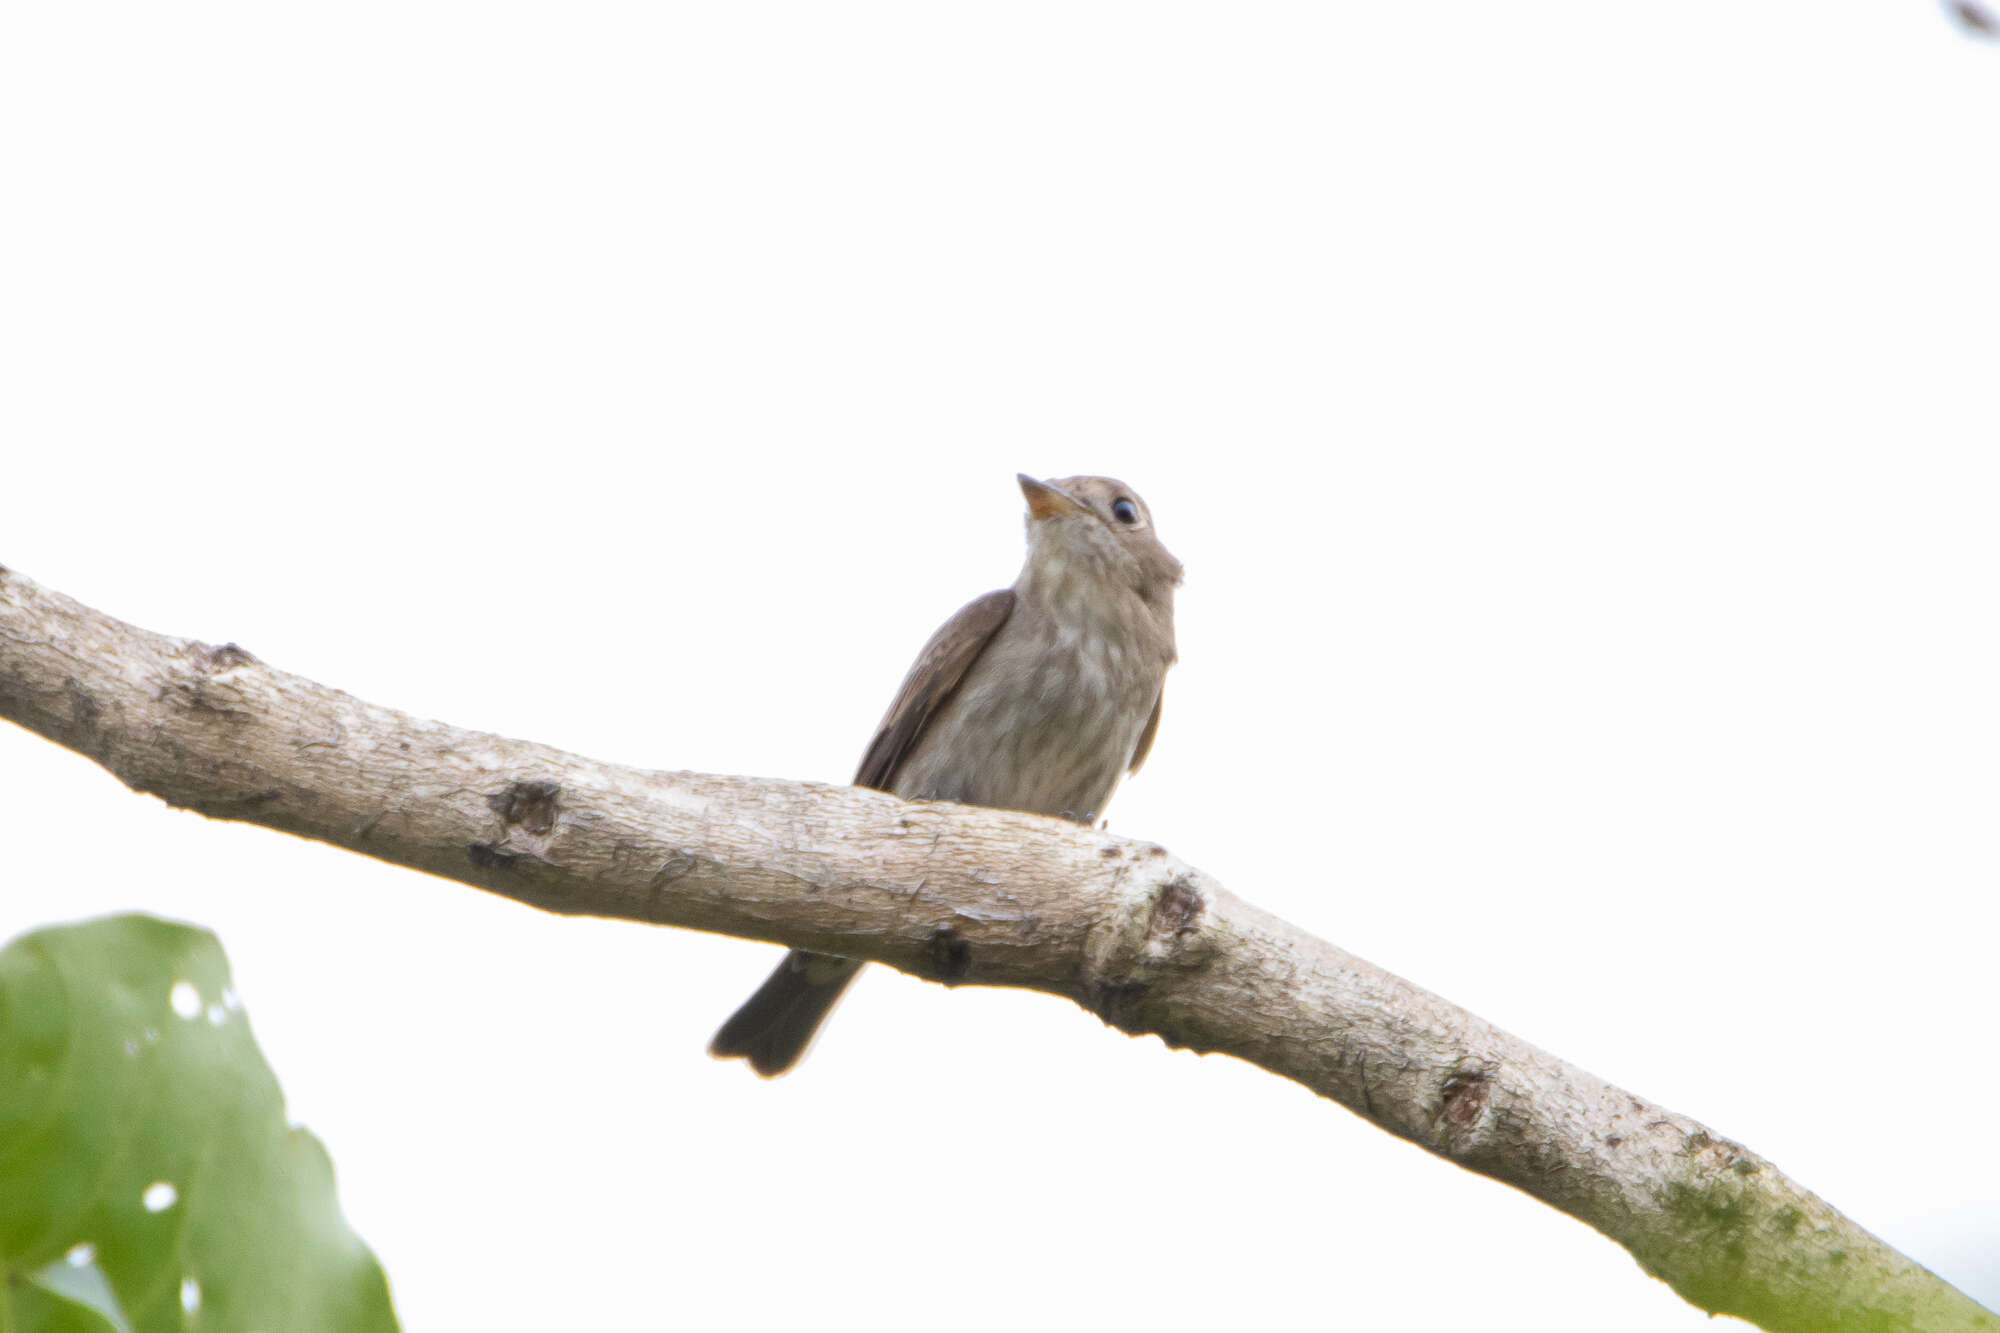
[(1041, 697)]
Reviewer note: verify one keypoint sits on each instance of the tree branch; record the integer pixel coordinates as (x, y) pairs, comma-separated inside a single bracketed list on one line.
[(955, 894)]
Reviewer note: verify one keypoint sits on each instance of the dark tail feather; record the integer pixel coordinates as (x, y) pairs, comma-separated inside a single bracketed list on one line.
[(774, 1026)]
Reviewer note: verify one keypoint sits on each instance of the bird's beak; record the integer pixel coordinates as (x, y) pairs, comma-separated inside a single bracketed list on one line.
[(1044, 500)]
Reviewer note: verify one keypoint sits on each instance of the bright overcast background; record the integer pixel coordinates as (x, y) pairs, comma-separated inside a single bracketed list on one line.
[(1578, 422)]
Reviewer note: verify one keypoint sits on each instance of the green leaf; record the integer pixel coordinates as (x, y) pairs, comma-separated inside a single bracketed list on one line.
[(148, 1178)]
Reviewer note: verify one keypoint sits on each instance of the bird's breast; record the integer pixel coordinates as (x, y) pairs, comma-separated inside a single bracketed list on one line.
[(1045, 721)]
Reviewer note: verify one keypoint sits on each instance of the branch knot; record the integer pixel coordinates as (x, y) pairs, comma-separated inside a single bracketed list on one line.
[(1156, 940)]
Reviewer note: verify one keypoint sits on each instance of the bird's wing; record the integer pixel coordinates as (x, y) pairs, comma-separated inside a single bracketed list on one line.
[(939, 669), (1145, 745)]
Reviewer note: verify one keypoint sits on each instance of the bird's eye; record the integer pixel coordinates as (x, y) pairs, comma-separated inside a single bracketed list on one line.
[(1125, 511)]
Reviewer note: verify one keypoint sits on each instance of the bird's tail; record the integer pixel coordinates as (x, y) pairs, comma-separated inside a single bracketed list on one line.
[(774, 1026)]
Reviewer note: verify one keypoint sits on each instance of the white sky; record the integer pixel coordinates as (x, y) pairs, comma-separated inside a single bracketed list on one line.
[(1578, 422)]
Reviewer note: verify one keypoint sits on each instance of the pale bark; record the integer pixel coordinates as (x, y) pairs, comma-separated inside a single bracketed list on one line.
[(959, 895)]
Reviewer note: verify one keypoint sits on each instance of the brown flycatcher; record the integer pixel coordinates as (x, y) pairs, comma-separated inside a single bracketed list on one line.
[(1039, 697)]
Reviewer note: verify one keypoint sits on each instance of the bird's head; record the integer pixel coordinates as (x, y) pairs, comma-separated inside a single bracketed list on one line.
[(1097, 528)]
